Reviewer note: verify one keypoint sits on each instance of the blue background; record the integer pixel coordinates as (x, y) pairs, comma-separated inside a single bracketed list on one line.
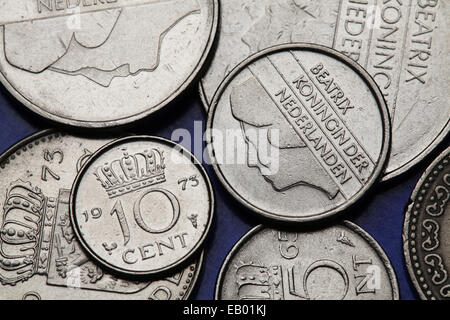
[(380, 213)]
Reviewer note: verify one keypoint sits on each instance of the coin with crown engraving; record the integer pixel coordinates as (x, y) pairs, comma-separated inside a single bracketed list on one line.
[(298, 132), (426, 231), (102, 63), (40, 257), (404, 45), (340, 262), (142, 205)]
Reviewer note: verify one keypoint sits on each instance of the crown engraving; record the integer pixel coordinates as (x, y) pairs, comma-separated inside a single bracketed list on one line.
[(258, 282), (132, 172), (20, 232)]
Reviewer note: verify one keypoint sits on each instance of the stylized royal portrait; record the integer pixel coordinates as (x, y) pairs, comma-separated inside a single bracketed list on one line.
[(282, 21), (103, 45), (297, 165)]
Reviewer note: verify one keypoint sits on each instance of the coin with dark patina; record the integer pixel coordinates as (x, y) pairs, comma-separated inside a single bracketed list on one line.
[(40, 256), (298, 132), (404, 45), (426, 231), (102, 63), (342, 262), (142, 205)]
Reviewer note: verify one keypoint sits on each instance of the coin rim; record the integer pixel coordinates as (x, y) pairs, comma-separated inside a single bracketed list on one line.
[(199, 266), (407, 222), (198, 262), (348, 224), (404, 168), (23, 142), (95, 156), (128, 119), (382, 107), (419, 157)]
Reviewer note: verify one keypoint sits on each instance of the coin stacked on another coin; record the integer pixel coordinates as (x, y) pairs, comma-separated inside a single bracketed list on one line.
[(41, 255), (115, 219), (310, 104), (317, 129)]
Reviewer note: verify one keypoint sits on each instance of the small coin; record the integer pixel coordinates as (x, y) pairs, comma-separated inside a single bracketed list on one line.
[(40, 257), (404, 45), (426, 231), (142, 205), (342, 262), (298, 132), (106, 63)]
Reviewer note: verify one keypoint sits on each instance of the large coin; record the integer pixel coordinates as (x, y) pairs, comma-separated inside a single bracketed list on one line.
[(342, 262), (102, 63), (142, 205), (404, 45), (426, 232), (298, 132), (40, 257)]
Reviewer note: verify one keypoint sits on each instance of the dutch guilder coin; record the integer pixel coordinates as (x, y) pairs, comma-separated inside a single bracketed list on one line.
[(426, 232), (404, 45), (298, 132), (342, 262), (155, 200), (102, 63), (40, 257)]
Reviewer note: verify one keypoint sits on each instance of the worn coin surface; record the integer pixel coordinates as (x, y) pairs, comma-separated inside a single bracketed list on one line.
[(426, 232), (102, 63), (342, 262), (142, 205), (404, 45), (40, 257), (298, 132)]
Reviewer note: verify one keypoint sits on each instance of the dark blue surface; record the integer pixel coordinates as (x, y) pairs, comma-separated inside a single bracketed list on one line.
[(381, 213)]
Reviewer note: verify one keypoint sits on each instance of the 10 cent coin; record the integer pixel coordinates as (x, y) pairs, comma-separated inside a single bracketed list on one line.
[(40, 256), (142, 205)]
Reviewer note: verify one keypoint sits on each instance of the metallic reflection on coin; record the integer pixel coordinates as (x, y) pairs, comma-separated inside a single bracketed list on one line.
[(342, 262), (142, 205), (426, 232), (102, 64), (298, 132), (404, 45), (40, 257)]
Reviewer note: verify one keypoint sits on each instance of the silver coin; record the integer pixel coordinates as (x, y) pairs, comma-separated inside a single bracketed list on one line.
[(298, 132), (40, 257), (404, 45), (142, 205), (426, 231), (341, 262), (102, 63)]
